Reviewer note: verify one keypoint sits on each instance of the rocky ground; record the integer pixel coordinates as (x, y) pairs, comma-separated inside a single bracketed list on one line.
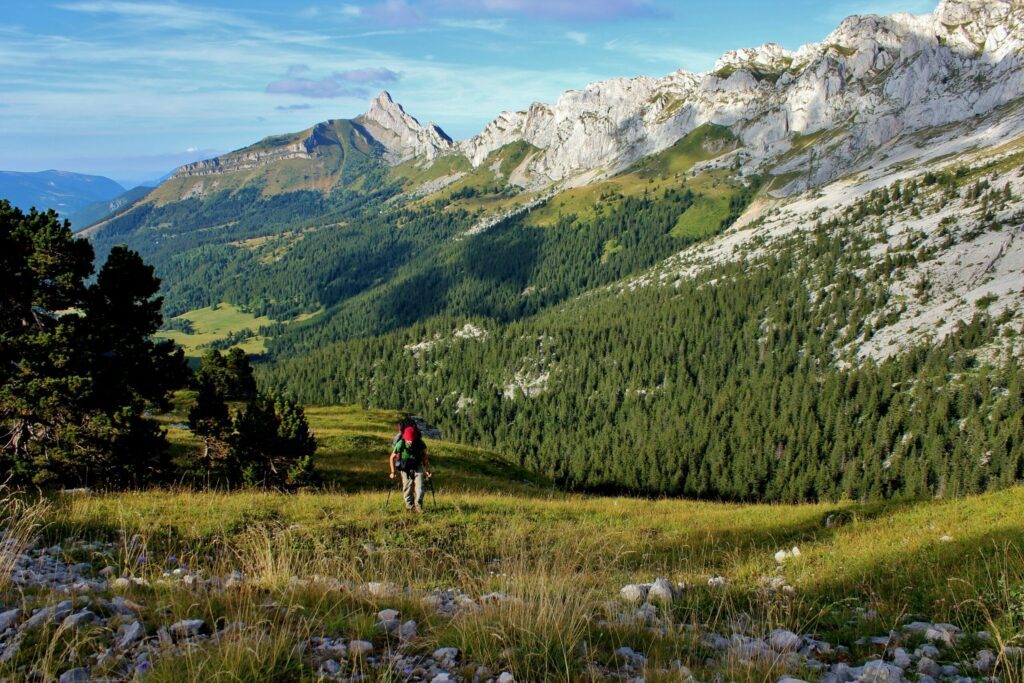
[(66, 597)]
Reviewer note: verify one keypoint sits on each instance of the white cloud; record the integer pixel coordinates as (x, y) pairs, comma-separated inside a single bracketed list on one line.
[(351, 10), (577, 37), (491, 25), (666, 56)]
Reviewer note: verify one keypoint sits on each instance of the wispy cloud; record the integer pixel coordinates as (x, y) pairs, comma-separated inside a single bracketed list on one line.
[(667, 56), (375, 75), (491, 25), (577, 37), (338, 84), (293, 107), (588, 10)]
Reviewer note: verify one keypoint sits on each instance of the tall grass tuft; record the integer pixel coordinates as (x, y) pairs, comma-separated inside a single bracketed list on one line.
[(20, 522)]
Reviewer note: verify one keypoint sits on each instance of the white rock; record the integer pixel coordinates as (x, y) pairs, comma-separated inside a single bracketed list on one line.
[(785, 641), (506, 677), (358, 648), (660, 591), (387, 614), (634, 592), (450, 654)]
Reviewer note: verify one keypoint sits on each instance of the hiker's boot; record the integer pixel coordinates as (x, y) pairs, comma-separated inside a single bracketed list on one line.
[(417, 509)]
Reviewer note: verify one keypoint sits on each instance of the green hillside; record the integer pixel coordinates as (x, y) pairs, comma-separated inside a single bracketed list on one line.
[(538, 574)]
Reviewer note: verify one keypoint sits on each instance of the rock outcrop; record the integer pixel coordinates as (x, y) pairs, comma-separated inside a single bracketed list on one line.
[(402, 135), (871, 80)]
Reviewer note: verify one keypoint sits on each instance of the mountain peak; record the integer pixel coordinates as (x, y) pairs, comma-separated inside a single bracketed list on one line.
[(401, 134)]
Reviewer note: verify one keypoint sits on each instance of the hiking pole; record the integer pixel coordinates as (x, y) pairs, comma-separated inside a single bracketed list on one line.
[(391, 487), (433, 495)]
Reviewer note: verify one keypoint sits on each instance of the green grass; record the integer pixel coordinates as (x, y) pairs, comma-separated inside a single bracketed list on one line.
[(563, 557), (701, 144), (214, 323), (703, 218)]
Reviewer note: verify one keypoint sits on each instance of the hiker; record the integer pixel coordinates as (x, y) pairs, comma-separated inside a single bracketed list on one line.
[(409, 456)]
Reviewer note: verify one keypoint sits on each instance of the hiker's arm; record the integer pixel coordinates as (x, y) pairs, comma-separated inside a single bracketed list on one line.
[(391, 463)]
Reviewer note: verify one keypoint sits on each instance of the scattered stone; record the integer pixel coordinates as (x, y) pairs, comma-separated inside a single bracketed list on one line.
[(984, 661), (785, 641), (79, 675), (187, 628), (634, 592), (717, 582), (387, 614), (929, 667), (359, 648), (8, 618), (129, 635), (506, 677), (442, 677), (331, 667), (880, 672), (660, 591), (78, 620), (408, 630), (901, 658), (446, 654)]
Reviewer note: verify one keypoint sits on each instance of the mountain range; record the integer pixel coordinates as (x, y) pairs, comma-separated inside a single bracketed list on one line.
[(62, 191), (741, 247)]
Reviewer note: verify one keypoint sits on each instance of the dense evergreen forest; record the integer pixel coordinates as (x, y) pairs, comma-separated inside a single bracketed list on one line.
[(737, 384), (726, 386)]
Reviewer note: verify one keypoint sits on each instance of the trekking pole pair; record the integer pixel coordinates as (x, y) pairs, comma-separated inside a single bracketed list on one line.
[(433, 495)]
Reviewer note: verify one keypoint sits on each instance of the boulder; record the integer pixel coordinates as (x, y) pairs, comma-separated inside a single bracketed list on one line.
[(8, 618), (785, 641), (880, 672), (928, 667), (635, 592), (78, 675), (78, 620), (660, 591), (449, 654), (187, 628), (130, 633)]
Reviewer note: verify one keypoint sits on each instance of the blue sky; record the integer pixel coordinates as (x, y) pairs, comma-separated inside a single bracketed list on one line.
[(132, 88)]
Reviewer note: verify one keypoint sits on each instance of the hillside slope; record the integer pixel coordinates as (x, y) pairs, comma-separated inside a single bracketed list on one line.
[(62, 191)]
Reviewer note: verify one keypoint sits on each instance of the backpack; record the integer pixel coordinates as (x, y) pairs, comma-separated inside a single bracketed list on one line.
[(410, 457)]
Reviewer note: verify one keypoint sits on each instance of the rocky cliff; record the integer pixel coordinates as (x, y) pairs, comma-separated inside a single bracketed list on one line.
[(871, 80)]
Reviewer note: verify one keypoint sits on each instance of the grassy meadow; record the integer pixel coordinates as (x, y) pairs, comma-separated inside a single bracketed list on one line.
[(561, 558)]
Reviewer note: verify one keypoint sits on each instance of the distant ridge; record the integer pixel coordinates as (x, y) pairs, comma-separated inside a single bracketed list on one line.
[(62, 191)]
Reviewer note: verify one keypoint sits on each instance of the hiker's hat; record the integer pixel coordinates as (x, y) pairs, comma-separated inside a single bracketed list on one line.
[(409, 433)]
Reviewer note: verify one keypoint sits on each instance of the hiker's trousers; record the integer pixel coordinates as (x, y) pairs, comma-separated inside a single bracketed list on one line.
[(412, 489)]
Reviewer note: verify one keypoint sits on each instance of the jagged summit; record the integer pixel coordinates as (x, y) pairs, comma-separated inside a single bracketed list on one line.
[(401, 134)]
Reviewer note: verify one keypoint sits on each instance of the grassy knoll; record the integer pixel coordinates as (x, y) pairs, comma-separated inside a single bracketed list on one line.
[(561, 557), (214, 323)]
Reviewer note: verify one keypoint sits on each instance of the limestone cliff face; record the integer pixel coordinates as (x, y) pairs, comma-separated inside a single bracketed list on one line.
[(402, 135), (808, 114), (871, 80)]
